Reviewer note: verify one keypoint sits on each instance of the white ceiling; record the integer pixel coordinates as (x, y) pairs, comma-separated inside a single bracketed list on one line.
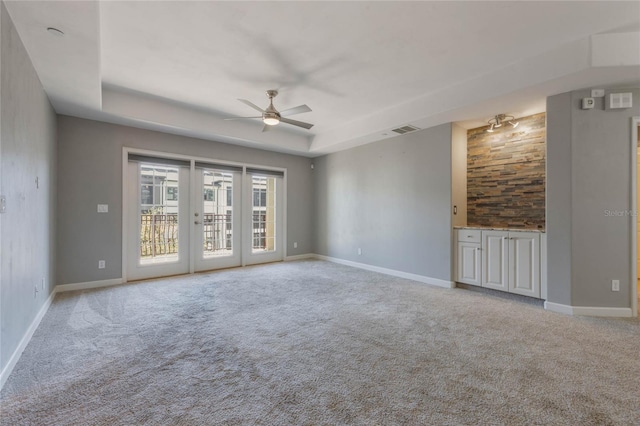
[(363, 67)]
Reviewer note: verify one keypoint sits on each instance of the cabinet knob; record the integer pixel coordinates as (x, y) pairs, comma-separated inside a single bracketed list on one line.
[(196, 222)]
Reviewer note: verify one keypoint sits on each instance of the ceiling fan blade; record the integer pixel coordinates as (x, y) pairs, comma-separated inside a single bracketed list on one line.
[(266, 128), (241, 118), (251, 104), (296, 123), (295, 110)]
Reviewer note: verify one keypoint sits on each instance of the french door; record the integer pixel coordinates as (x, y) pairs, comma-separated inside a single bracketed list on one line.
[(264, 200), (187, 216), (217, 217), (158, 204)]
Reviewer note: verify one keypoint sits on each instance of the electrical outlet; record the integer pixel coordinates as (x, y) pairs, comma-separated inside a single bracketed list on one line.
[(359, 251), (101, 264), (295, 245), (615, 285)]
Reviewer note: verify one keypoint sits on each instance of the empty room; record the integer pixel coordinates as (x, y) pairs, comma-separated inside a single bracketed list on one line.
[(319, 213)]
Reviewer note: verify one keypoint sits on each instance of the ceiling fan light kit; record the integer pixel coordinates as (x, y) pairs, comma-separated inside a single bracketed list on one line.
[(271, 116)]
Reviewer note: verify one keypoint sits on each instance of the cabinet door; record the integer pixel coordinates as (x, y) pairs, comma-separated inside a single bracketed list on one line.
[(495, 260), (524, 261), (469, 263)]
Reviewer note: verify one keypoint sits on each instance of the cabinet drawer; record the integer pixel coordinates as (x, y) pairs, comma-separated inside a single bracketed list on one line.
[(469, 235)]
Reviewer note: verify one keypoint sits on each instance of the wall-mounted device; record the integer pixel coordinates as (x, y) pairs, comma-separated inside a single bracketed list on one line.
[(619, 100), (588, 103)]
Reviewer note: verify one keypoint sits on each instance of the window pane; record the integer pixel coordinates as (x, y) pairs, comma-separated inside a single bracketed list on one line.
[(218, 220), (263, 227), (158, 214)]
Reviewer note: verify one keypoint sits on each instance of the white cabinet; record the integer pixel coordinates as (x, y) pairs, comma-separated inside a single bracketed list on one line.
[(468, 257), (500, 260), (524, 263), (495, 260), (469, 263)]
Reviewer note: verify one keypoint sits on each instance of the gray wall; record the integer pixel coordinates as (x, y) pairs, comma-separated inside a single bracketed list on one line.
[(90, 173), (459, 174), (589, 170), (392, 199), (558, 200), (27, 152)]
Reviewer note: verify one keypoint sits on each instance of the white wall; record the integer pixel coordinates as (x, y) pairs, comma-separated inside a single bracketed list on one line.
[(27, 153)]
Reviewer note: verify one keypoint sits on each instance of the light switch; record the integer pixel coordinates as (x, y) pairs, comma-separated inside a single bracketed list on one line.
[(103, 208)]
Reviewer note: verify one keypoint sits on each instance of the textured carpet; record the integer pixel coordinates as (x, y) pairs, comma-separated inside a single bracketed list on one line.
[(315, 343)]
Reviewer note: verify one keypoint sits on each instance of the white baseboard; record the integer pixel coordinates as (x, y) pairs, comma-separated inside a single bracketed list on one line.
[(87, 285), (300, 257), (591, 311), (602, 312), (420, 278), (558, 308), (6, 371)]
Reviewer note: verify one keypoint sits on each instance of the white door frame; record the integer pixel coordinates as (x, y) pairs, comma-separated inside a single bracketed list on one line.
[(136, 270), (161, 154), (248, 257), (235, 259), (635, 122)]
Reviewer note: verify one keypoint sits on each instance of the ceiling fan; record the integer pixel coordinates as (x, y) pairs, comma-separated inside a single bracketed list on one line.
[(271, 116)]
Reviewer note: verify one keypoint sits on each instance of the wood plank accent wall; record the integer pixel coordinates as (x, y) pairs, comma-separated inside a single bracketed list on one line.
[(506, 175)]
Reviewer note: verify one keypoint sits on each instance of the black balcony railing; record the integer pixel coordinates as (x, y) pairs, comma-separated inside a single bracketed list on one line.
[(159, 233)]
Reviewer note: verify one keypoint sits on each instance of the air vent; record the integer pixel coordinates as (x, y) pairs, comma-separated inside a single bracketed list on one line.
[(405, 129)]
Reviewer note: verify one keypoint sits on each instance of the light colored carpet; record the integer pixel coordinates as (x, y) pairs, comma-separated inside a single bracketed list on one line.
[(315, 343)]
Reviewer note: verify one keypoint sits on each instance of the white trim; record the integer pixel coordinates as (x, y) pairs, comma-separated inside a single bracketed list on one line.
[(635, 122), (285, 244), (558, 308), (125, 210), (244, 219), (300, 257), (193, 200), (591, 311), (91, 284), (420, 278), (543, 266), (6, 372)]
